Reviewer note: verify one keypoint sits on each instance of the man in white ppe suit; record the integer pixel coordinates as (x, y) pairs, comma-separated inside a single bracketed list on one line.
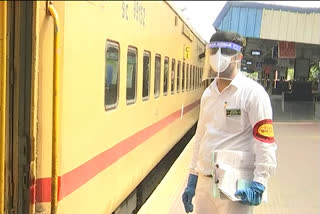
[(235, 115)]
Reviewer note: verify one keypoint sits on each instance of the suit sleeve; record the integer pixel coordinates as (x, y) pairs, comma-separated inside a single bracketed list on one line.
[(260, 117)]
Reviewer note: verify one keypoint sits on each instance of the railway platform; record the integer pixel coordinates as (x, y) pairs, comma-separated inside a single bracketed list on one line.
[(294, 189)]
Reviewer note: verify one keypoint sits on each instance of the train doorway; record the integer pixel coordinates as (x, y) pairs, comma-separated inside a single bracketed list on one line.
[(20, 14)]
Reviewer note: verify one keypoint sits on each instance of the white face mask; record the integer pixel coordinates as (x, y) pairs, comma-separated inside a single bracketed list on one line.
[(219, 61)]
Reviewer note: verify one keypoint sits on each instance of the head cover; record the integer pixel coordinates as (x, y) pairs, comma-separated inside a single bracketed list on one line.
[(220, 55)]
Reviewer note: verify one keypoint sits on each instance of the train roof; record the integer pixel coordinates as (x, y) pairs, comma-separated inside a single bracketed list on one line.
[(177, 11)]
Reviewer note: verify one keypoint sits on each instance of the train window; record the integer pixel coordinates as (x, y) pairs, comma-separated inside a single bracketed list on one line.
[(199, 83), (191, 70), (146, 75), (190, 78), (193, 77), (111, 75), (182, 84), (173, 77), (131, 75), (197, 80), (187, 77), (165, 75), (201, 73), (173, 67), (157, 71), (178, 76), (197, 76)]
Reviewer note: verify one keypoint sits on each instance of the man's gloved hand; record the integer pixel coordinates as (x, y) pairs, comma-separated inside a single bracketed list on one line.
[(251, 195), (189, 192)]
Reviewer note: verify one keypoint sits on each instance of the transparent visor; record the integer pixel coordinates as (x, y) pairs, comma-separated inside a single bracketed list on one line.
[(227, 48), (220, 54)]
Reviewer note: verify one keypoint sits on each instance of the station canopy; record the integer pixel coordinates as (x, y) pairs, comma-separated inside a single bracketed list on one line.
[(277, 37)]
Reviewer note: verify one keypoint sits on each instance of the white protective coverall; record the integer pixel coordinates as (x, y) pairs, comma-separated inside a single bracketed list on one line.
[(251, 131)]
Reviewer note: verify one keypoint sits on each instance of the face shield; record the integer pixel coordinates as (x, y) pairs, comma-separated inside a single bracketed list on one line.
[(220, 55)]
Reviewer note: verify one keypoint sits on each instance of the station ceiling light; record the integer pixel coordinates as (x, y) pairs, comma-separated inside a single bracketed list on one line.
[(255, 53)]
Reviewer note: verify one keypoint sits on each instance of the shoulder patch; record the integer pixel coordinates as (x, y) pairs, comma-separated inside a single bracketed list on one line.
[(263, 131)]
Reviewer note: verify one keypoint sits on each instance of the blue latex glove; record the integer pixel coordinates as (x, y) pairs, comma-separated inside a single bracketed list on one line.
[(189, 192), (251, 195)]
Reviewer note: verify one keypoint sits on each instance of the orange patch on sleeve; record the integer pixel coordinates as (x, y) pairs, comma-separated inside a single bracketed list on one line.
[(263, 131)]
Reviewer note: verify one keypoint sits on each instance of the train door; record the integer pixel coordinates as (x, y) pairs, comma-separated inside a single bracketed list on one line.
[(19, 101)]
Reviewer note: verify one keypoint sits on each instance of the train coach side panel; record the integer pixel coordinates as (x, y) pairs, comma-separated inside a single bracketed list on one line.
[(105, 154)]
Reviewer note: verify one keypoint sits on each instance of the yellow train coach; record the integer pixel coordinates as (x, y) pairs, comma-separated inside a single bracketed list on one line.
[(93, 96)]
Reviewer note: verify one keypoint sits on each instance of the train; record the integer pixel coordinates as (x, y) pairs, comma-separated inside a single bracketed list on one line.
[(93, 95)]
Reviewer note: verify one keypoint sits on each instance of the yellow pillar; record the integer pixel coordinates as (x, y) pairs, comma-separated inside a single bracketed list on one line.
[(55, 109), (3, 86)]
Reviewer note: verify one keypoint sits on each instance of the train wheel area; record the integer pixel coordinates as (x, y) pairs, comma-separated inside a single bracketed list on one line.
[(295, 179)]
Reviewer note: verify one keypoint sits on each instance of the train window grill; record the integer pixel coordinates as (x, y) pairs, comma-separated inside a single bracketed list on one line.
[(157, 71), (183, 73), (131, 75), (111, 75), (146, 75), (187, 78), (178, 76), (165, 75)]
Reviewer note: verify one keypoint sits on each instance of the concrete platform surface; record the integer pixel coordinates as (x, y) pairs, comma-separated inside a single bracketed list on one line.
[(294, 189)]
